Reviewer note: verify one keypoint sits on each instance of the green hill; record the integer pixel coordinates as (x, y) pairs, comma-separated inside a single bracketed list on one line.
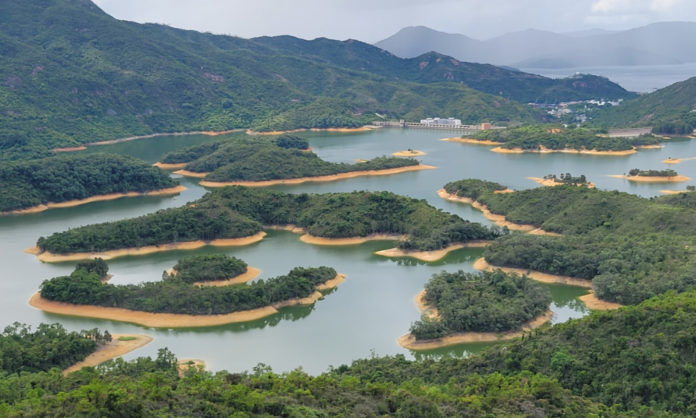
[(671, 110)]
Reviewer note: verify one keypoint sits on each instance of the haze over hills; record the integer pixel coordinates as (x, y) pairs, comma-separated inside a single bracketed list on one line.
[(72, 74), (658, 43)]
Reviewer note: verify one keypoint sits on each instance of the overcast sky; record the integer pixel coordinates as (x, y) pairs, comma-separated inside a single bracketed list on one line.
[(373, 20)]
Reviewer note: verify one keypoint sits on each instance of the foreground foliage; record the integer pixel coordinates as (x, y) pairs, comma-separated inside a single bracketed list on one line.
[(234, 212), (480, 302), (75, 176)]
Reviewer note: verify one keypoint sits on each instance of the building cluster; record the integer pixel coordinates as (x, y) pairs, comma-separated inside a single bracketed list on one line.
[(441, 122)]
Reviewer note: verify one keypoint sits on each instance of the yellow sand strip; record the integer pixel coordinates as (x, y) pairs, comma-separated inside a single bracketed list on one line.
[(49, 257), (70, 149), (365, 128), (504, 191), (310, 239), (472, 141), (409, 153), (499, 220), (169, 320), (409, 342), (165, 166), (431, 256), (97, 198), (194, 174), (664, 191), (110, 350), (183, 365), (595, 304), (542, 150), (652, 179), (482, 264), (250, 274), (333, 177), (427, 310), (552, 182)]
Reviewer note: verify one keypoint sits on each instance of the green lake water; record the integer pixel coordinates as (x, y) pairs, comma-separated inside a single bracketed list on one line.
[(374, 306)]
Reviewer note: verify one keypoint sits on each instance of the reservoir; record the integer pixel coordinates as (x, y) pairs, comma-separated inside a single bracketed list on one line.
[(366, 314)]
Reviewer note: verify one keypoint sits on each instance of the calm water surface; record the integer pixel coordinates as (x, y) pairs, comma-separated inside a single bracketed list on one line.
[(364, 315)]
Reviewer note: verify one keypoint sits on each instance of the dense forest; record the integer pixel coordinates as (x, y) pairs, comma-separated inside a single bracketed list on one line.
[(557, 137), (174, 295), (259, 160), (234, 212), (480, 302), (635, 361), (24, 184), (206, 268), (652, 173), (568, 178), (632, 248)]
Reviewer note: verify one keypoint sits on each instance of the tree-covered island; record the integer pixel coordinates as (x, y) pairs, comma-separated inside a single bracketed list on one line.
[(486, 302), (236, 212), (77, 178)]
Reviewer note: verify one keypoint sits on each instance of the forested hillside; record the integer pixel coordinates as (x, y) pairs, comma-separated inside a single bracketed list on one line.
[(25, 184), (233, 212)]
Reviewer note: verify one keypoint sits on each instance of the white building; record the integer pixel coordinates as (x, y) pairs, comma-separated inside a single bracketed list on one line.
[(441, 122)]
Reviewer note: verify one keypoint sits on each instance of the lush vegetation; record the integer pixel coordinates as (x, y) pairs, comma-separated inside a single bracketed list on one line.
[(483, 302), (234, 212), (669, 110), (24, 184), (64, 87), (632, 248), (24, 350), (652, 173), (557, 137), (206, 268), (472, 188), (174, 295), (259, 160), (568, 178)]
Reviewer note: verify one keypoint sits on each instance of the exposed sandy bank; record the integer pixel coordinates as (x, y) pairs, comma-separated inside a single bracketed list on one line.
[(193, 174), (595, 304), (165, 166), (333, 177), (543, 150), (431, 256), (49, 257), (504, 191), (70, 149), (183, 365), (409, 342), (110, 350), (482, 264), (133, 138), (664, 191), (654, 146), (677, 160), (472, 141), (652, 179), (552, 182), (499, 220), (409, 153), (365, 128), (427, 310), (97, 198), (250, 274), (310, 239), (168, 320)]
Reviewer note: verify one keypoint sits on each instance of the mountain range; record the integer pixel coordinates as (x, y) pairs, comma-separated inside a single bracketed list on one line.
[(658, 43), (71, 74)]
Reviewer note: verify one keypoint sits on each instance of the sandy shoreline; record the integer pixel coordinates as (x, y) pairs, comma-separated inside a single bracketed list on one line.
[(482, 264), (311, 239), (595, 304), (499, 220), (332, 177), (501, 150), (553, 183), (665, 191), (194, 174), (111, 350), (409, 342), (677, 160), (472, 141), (427, 310), (97, 198), (165, 166), (169, 320), (70, 149), (250, 274), (433, 255), (365, 128), (652, 179), (409, 153), (49, 257)]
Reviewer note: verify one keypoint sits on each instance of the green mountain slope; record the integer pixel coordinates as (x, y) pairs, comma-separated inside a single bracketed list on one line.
[(671, 110)]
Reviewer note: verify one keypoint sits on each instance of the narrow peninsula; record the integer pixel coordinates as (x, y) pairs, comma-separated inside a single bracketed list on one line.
[(70, 180), (476, 307), (238, 215)]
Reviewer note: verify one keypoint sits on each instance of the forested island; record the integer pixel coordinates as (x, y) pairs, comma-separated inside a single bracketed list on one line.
[(262, 162), (653, 176), (191, 305), (468, 307), (631, 248), (208, 268), (634, 361), (558, 138), (238, 212), (71, 179), (567, 179)]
